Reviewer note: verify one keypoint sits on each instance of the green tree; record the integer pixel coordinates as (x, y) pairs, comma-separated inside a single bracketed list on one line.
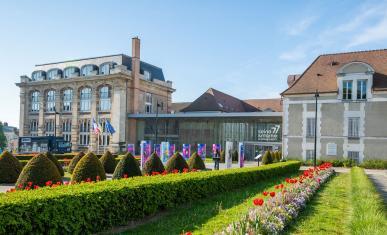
[(3, 140)]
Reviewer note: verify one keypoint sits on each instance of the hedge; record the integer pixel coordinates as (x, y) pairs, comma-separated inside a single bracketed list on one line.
[(89, 208), (58, 156)]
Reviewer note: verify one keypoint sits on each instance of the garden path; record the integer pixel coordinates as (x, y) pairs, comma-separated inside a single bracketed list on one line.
[(379, 178)]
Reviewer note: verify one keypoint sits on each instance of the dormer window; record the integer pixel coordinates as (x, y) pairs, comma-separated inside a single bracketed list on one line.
[(347, 90), (361, 89), (71, 72), (147, 75), (54, 74), (89, 70), (38, 75)]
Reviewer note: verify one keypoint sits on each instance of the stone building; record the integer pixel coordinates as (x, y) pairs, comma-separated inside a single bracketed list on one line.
[(12, 135), (76, 92), (351, 108)]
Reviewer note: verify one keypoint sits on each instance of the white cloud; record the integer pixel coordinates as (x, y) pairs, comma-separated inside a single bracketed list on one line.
[(374, 33), (294, 55), (301, 26)]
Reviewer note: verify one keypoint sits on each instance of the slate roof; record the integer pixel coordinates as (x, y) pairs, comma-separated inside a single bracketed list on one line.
[(274, 105), (215, 101), (177, 107), (321, 74)]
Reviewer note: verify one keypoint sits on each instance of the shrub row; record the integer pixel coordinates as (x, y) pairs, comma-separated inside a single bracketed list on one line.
[(368, 164), (88, 208), (58, 156)]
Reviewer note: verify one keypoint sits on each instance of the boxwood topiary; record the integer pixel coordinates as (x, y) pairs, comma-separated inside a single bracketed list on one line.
[(108, 162), (176, 162), (55, 161), (267, 158), (74, 161), (196, 162), (89, 167), (153, 164), (39, 170), (128, 165), (10, 168)]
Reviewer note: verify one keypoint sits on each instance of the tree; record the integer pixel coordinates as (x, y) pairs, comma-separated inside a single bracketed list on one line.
[(3, 140)]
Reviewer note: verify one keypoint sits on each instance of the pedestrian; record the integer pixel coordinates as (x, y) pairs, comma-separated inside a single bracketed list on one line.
[(216, 159)]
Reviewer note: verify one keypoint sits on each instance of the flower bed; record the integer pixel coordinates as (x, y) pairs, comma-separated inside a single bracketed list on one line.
[(92, 207), (274, 210)]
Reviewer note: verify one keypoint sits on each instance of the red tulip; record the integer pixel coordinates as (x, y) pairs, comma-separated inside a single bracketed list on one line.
[(272, 194), (258, 201), (36, 187), (29, 183), (125, 176), (265, 193)]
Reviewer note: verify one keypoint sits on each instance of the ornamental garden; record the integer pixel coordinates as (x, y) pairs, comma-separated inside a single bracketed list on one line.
[(114, 194)]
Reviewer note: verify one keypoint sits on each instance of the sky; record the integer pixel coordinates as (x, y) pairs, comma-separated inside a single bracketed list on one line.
[(243, 48)]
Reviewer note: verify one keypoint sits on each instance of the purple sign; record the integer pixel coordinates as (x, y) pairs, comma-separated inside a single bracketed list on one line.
[(172, 149), (145, 152), (157, 149), (186, 151), (131, 149), (216, 147), (202, 151)]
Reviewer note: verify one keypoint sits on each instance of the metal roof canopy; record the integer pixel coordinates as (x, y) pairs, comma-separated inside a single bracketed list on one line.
[(208, 115)]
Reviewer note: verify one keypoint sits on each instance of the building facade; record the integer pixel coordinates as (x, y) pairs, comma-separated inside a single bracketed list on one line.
[(351, 108), (12, 135), (214, 118), (65, 98)]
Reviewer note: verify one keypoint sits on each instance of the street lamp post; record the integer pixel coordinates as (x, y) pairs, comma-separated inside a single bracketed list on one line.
[(316, 95)]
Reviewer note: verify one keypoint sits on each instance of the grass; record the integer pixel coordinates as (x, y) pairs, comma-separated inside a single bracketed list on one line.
[(369, 215), (206, 216), (328, 212)]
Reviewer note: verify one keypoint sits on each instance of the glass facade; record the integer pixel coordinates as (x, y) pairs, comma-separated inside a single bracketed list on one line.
[(256, 133)]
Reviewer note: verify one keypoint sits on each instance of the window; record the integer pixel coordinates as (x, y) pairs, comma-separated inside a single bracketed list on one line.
[(361, 89), (104, 138), (147, 75), (71, 72), (67, 100), (84, 132), (49, 127), (104, 98), (106, 67), (353, 127), (35, 99), (353, 155), (347, 90), (50, 107), (310, 127), (309, 155), (34, 125), (85, 99), (66, 128), (54, 74), (38, 76), (89, 69), (148, 103)]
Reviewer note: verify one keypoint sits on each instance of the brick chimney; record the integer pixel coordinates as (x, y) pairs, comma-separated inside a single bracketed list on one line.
[(135, 74)]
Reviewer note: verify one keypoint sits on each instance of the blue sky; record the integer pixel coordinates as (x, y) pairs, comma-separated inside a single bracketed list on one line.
[(244, 48)]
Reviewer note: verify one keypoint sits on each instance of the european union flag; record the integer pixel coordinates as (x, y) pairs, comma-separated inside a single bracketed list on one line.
[(109, 128)]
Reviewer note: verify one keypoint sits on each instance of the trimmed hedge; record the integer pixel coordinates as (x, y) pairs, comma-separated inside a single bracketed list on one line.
[(67, 209), (89, 167), (176, 162), (129, 166), (10, 168), (153, 164), (55, 161), (38, 171), (74, 162), (108, 162), (196, 162)]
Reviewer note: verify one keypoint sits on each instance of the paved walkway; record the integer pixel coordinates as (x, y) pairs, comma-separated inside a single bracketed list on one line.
[(379, 178)]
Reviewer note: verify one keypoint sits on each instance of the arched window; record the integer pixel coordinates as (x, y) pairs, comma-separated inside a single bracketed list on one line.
[(85, 99), (38, 75), (90, 69), (67, 100), (50, 101), (70, 72), (104, 98), (104, 69), (35, 96), (54, 74)]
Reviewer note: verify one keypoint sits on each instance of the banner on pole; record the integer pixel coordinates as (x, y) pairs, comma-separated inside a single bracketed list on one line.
[(164, 151), (131, 149), (145, 152), (241, 151), (186, 151), (157, 149), (228, 160), (202, 151), (216, 147), (172, 149)]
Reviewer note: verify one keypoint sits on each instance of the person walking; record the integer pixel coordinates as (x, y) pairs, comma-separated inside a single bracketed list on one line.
[(216, 159)]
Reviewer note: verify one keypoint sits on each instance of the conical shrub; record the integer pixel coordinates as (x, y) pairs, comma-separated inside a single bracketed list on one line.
[(128, 166), (108, 162), (196, 162), (88, 168), (153, 164), (267, 159), (176, 162), (56, 162), (39, 170), (74, 162), (10, 168)]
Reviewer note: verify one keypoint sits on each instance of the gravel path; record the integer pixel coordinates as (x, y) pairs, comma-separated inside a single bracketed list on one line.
[(379, 178)]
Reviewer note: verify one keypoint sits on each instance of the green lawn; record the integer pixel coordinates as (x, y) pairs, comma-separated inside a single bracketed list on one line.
[(328, 212), (209, 215)]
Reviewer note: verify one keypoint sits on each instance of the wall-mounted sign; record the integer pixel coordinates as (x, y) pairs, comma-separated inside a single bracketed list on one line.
[(331, 149), (26, 140), (269, 133)]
